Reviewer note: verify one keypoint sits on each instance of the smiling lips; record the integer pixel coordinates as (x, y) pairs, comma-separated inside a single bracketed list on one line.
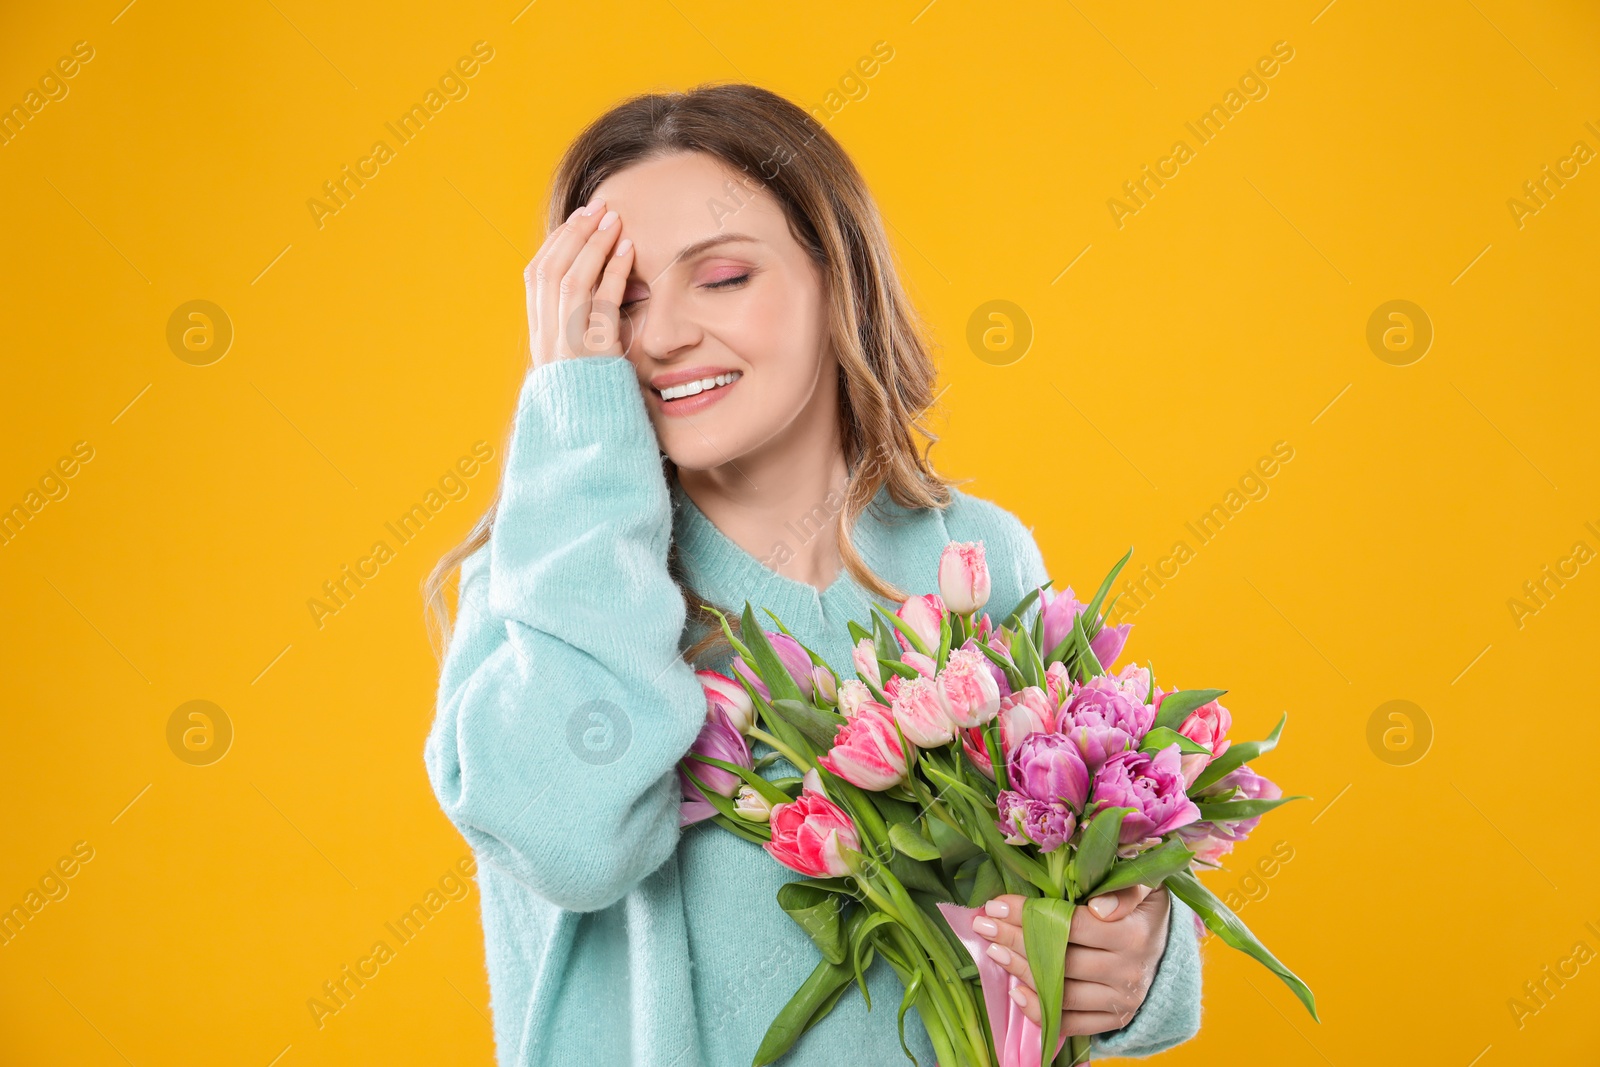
[(694, 395)]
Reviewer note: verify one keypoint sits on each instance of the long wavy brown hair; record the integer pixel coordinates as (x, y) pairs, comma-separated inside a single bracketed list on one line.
[(886, 374)]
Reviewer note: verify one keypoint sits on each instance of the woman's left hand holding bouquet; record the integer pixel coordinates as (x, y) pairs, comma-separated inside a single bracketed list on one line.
[(1117, 944)]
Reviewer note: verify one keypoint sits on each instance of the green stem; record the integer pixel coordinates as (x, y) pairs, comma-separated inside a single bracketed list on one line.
[(788, 753)]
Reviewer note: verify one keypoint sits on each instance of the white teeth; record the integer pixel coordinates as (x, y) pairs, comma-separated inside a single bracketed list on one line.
[(691, 388)]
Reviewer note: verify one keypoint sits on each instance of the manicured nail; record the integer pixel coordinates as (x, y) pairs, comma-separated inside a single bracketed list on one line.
[(998, 908), (1103, 906), (1018, 996), (986, 927), (624, 244), (593, 205), (1000, 954), (607, 219), (575, 213)]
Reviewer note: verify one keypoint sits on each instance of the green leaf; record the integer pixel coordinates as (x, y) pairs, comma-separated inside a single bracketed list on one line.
[(818, 725), (986, 885), (905, 837), (819, 913), (779, 683), (1098, 848), (1013, 675), (1237, 755), (1240, 809), (1046, 929), (1086, 665), (1015, 614), (738, 646), (724, 806), (912, 989), (1147, 868), (1226, 925), (819, 991), (857, 632), (905, 628), (883, 640), (1161, 737), (860, 943), (739, 826), (945, 635), (1092, 609), (894, 666), (769, 792), (1176, 705), (917, 874)]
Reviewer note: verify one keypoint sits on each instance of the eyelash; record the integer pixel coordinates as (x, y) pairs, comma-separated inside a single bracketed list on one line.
[(726, 283)]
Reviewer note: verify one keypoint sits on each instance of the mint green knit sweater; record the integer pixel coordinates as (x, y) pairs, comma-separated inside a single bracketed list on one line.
[(612, 937)]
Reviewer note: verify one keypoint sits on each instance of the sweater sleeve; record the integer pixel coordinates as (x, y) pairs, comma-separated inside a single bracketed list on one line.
[(1170, 1014), (563, 703)]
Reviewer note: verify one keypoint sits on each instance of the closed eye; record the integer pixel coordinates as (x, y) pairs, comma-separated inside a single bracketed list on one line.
[(725, 283)]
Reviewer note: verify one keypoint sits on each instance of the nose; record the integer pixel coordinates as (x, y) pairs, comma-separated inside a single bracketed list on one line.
[(663, 326)]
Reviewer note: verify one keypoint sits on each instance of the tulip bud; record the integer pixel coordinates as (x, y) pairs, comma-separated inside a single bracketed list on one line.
[(865, 657), (751, 805), (811, 782), (852, 694), (964, 577), (827, 686), (730, 697)]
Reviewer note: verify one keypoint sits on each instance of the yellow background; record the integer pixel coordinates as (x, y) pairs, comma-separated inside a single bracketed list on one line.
[(370, 354)]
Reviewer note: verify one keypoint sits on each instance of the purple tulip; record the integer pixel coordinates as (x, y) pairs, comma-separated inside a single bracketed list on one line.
[(795, 659), (1049, 784), (1210, 841), (1048, 767), (1027, 821), (719, 740), (1059, 611), (1152, 787), (1102, 721)]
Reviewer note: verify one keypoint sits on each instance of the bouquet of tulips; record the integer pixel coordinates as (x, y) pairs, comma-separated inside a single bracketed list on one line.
[(966, 760)]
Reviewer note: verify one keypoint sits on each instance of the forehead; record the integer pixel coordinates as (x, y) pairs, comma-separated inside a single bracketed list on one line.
[(673, 201)]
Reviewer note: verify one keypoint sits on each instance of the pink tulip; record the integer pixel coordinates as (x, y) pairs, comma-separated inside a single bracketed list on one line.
[(1210, 841), (1207, 726), (730, 697), (795, 659), (1102, 721), (996, 643), (923, 665), (809, 835), (963, 577), (1057, 684), (920, 710), (923, 614), (865, 657), (970, 691), (1025, 712), (1133, 682), (866, 751)]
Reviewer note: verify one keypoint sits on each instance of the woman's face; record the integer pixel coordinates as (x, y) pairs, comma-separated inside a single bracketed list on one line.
[(720, 290)]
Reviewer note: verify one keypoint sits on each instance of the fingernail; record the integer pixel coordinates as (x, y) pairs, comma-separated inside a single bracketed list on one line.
[(593, 205), (624, 244), (986, 927), (1016, 995), (998, 908), (1103, 906), (1000, 954), (607, 219), (575, 213)]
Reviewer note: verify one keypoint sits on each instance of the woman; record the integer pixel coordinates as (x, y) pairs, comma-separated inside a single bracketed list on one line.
[(743, 429)]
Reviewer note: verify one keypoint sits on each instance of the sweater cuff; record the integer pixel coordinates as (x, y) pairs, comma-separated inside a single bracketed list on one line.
[(1170, 1014), (585, 400)]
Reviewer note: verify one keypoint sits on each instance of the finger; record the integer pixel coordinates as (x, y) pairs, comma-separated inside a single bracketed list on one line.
[(1005, 906), (1117, 1004), (1013, 962), (1028, 1001), (1110, 907), (545, 273), (1084, 1023), (1001, 932), (605, 308), (578, 287), (1086, 964)]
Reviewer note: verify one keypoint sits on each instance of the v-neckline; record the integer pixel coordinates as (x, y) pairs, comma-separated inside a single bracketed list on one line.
[(700, 532)]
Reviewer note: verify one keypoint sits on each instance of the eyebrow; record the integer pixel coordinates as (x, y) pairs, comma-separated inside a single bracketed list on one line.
[(713, 241)]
